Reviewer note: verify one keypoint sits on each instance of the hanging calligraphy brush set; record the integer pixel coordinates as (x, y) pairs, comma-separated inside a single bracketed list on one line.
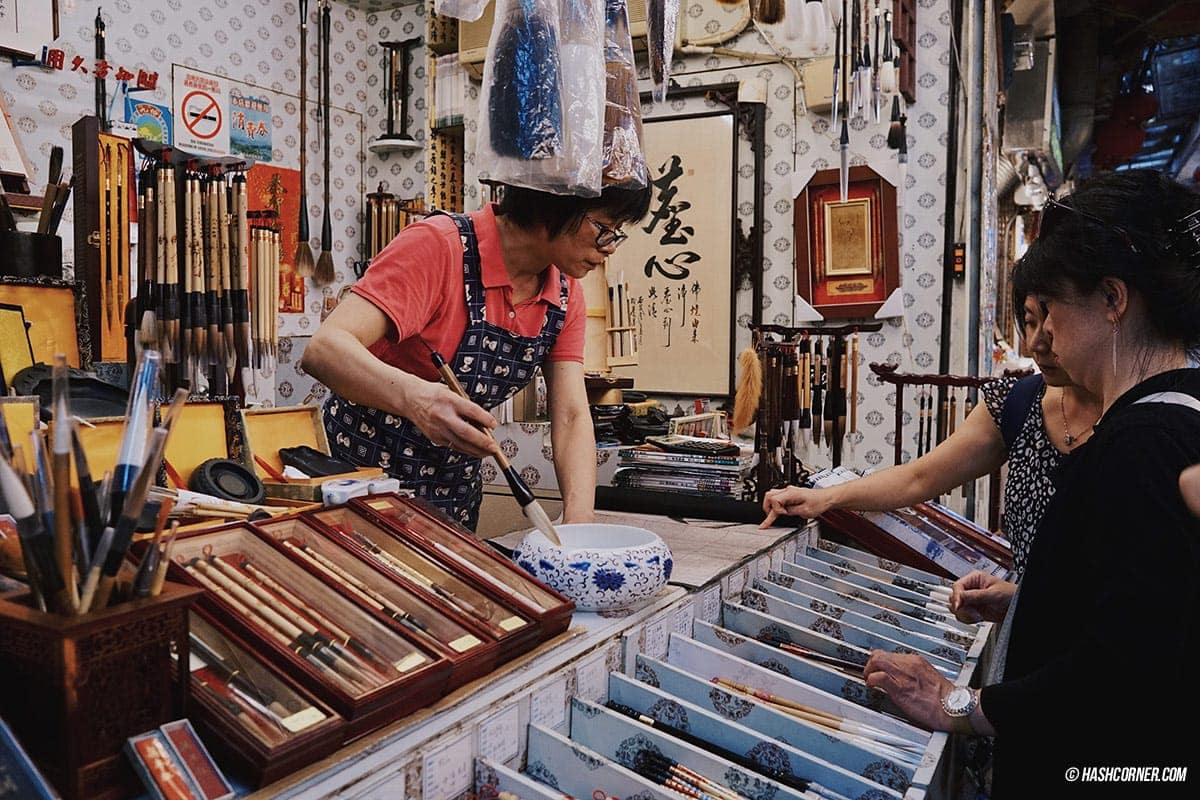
[(387, 215), (202, 263), (769, 701), (807, 397)]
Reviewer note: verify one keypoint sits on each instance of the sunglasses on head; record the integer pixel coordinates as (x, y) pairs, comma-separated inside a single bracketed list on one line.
[(1053, 213)]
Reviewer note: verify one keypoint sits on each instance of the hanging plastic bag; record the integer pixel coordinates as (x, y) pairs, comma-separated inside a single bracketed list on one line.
[(660, 42), (466, 10), (526, 138), (521, 81), (624, 153)]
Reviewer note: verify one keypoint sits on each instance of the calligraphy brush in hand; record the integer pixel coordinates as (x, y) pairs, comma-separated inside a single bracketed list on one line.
[(521, 491)]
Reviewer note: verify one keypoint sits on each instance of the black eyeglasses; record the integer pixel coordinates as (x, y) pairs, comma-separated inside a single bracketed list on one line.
[(605, 235), (1050, 217)]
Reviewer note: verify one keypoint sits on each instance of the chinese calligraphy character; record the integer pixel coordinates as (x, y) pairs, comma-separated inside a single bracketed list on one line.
[(55, 58), (123, 74), (103, 68), (147, 80), (77, 65)]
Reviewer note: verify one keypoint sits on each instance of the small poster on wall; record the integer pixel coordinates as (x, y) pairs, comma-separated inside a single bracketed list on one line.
[(250, 126), (201, 112), (153, 122), (276, 191)]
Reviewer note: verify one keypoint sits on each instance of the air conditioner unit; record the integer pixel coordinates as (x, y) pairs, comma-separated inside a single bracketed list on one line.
[(473, 36), (1031, 115)]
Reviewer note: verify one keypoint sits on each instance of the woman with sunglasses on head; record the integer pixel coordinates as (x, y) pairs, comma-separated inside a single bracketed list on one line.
[(496, 293), (1105, 627)]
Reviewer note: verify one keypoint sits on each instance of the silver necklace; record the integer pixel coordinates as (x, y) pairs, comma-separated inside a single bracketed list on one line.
[(1070, 438)]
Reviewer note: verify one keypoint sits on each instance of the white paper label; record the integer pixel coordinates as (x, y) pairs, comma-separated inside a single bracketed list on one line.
[(303, 719), (656, 637), (548, 704), (447, 772), (498, 735), (410, 661), (710, 608), (737, 581), (591, 678), (465, 643), (683, 619), (512, 623)]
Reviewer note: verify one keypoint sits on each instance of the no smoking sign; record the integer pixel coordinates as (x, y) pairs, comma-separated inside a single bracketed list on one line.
[(202, 115)]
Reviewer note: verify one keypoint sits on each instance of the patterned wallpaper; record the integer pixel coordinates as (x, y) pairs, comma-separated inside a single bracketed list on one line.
[(256, 40)]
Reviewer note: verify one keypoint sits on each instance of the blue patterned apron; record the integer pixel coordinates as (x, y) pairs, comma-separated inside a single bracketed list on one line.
[(491, 363)]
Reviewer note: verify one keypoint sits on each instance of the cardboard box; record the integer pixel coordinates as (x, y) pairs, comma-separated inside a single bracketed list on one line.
[(269, 429)]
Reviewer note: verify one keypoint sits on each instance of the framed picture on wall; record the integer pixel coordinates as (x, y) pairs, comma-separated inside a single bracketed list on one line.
[(26, 25), (847, 253), (678, 264)]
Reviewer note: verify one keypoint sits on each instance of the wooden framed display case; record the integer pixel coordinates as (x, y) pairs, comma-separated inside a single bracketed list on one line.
[(74, 688), (269, 429), (396, 601), (420, 522), (365, 671), (389, 550), (251, 714)]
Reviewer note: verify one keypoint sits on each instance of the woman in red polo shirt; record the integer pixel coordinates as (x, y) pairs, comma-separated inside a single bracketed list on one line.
[(496, 293)]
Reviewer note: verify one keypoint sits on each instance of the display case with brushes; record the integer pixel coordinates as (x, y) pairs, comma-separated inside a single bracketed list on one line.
[(418, 521), (104, 188), (397, 601), (250, 713), (365, 671), (390, 551)]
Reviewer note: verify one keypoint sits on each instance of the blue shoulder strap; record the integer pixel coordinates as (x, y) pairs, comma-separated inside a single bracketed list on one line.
[(1016, 407)]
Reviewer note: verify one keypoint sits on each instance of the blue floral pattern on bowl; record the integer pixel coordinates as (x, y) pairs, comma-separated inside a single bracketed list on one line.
[(599, 566)]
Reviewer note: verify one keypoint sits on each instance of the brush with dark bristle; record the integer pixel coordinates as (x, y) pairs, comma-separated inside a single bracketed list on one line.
[(324, 274)]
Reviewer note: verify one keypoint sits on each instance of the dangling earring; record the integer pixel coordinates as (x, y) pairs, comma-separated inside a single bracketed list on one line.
[(1116, 332)]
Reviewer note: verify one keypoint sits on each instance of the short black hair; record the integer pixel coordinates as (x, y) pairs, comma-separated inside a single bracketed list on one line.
[(1079, 250), (529, 208)]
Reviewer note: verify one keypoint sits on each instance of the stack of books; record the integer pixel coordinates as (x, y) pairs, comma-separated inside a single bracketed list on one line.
[(648, 467)]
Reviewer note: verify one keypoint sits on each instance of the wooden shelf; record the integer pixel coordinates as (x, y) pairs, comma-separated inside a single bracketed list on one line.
[(394, 145)]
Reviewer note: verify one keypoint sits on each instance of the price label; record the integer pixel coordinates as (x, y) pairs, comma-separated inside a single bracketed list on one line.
[(737, 581), (683, 619), (447, 771), (710, 604), (591, 678), (656, 637), (498, 735), (548, 704)]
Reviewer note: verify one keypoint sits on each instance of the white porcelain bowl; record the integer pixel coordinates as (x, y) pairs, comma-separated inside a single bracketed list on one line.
[(599, 566)]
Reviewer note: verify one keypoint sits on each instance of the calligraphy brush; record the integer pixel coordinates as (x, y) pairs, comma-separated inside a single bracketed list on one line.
[(52, 185), (232, 674), (324, 275), (304, 256), (37, 543), (781, 776), (60, 204), (137, 428), (131, 510), (101, 94), (520, 490), (149, 563), (64, 538), (150, 246), (169, 270), (264, 619), (818, 382), (241, 294), (248, 712), (226, 279), (819, 717), (804, 652), (160, 572), (296, 611)]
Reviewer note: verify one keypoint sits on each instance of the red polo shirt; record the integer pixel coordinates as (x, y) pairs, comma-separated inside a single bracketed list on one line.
[(417, 281)]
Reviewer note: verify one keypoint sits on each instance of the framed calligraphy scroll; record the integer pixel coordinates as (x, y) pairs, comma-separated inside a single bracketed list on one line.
[(678, 263), (847, 254)]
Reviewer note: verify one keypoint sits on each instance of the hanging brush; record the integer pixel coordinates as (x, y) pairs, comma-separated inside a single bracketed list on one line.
[(749, 389), (304, 257), (324, 274), (767, 12)]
